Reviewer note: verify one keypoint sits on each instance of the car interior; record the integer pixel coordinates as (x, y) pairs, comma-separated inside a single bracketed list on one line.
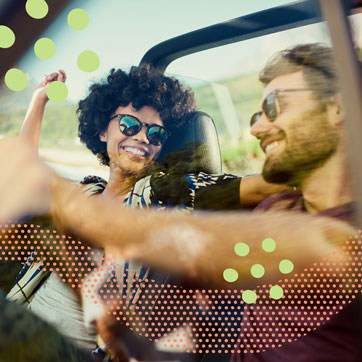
[(217, 137)]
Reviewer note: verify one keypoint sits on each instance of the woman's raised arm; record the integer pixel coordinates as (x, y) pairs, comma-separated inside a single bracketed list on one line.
[(34, 115)]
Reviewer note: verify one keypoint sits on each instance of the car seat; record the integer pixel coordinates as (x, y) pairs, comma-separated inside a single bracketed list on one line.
[(194, 147)]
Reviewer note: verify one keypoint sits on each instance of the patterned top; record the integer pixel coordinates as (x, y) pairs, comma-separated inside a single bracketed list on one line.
[(162, 191), (165, 191)]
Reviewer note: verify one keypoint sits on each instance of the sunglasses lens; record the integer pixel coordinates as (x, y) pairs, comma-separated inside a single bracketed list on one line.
[(129, 126), (270, 107), (254, 118), (157, 135)]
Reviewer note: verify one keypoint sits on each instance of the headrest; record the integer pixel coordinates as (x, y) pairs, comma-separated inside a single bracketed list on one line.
[(193, 148)]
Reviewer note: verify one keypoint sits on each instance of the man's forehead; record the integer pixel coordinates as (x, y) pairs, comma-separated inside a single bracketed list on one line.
[(287, 81)]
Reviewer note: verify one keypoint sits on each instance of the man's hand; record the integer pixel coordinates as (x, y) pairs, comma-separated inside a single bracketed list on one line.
[(24, 185)]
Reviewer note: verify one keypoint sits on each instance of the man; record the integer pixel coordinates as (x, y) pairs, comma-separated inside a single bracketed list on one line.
[(301, 130)]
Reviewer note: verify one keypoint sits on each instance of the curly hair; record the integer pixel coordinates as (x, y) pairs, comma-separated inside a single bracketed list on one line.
[(142, 86), (315, 60)]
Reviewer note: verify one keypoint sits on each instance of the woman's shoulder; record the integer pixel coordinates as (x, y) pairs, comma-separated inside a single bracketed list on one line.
[(92, 184)]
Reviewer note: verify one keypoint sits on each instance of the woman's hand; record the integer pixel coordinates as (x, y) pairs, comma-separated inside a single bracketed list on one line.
[(40, 92), (110, 337)]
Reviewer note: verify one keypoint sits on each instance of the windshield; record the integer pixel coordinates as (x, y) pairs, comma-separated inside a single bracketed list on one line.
[(118, 34)]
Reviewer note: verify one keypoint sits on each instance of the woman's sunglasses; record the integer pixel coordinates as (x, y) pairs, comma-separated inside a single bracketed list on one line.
[(131, 125), (271, 105)]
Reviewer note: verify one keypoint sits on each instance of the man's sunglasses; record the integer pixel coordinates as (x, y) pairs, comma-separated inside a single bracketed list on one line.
[(131, 125), (271, 105)]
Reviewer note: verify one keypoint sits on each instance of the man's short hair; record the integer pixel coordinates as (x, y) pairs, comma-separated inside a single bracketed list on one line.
[(315, 60)]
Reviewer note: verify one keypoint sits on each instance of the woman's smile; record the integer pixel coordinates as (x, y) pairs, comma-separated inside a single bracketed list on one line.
[(136, 151)]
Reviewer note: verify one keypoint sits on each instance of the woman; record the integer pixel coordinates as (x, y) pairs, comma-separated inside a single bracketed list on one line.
[(124, 120)]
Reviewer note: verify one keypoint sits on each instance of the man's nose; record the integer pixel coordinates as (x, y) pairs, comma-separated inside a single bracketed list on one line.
[(261, 127)]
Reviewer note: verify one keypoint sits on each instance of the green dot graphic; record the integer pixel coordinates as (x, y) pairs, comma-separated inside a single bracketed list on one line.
[(57, 91), (37, 9), (88, 61), (44, 48), (230, 275), (241, 249), (249, 296), (257, 270), (78, 19), (286, 266), (276, 292), (269, 245), (15, 79), (7, 37)]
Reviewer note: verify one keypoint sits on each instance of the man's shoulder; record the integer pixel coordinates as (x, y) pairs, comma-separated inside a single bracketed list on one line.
[(284, 200)]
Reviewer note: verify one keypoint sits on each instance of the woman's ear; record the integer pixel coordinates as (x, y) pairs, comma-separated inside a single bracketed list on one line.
[(103, 136)]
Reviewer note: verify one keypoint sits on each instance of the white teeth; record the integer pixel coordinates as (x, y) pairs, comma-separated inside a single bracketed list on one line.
[(135, 151), (271, 146)]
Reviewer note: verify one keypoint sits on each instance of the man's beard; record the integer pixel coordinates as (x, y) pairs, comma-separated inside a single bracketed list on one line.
[(307, 147)]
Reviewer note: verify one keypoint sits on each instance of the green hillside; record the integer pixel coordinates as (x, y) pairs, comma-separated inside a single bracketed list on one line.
[(244, 155), (59, 129)]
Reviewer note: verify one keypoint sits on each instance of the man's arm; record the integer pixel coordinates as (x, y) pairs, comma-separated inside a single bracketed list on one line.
[(254, 189), (201, 246), (198, 246)]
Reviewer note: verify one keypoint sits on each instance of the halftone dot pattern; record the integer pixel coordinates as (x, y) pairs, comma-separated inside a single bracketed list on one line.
[(44, 48), (57, 91), (286, 266), (7, 37), (37, 9), (78, 19), (257, 271), (241, 249), (196, 321), (88, 61), (269, 245), (15, 79), (276, 292), (249, 296), (230, 275), (69, 258)]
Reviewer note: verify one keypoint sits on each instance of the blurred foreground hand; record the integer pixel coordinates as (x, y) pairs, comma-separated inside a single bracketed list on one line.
[(25, 180)]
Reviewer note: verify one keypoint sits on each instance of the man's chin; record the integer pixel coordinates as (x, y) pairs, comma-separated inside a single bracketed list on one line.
[(276, 175)]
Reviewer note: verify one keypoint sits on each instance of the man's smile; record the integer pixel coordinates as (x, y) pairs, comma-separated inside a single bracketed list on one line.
[(271, 143)]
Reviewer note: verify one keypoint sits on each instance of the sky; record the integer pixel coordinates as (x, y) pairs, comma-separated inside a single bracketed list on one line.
[(121, 31)]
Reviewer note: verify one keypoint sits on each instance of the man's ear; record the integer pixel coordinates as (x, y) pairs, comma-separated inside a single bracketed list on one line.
[(335, 111), (103, 136)]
